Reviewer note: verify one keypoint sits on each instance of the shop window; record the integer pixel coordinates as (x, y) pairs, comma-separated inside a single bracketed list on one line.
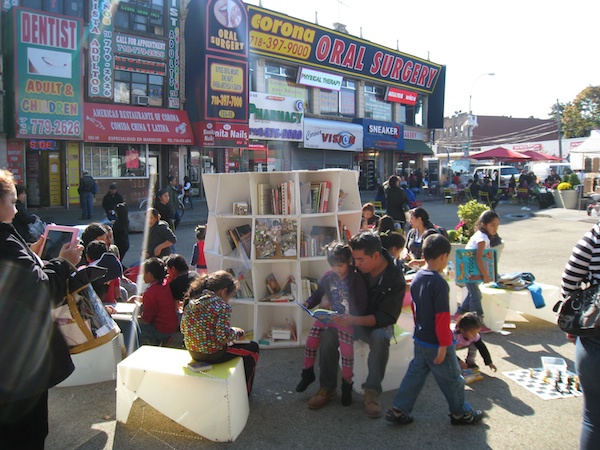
[(129, 85), (340, 103), (375, 106), (119, 161), (142, 16), (281, 80), (71, 8)]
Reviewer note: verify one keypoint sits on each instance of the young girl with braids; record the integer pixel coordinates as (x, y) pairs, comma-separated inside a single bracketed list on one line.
[(206, 324)]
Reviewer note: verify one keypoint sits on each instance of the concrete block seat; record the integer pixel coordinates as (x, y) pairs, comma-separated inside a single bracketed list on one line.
[(97, 364), (401, 353), (213, 404)]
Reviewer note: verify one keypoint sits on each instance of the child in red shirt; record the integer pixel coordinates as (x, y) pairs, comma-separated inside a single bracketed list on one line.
[(159, 309), (198, 259)]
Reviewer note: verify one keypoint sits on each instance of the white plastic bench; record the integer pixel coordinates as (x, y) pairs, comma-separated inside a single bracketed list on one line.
[(213, 404)]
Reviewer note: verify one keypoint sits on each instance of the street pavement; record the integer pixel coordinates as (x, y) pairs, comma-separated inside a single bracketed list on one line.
[(537, 241)]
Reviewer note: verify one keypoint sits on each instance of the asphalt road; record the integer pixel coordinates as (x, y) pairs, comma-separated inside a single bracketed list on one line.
[(535, 241)]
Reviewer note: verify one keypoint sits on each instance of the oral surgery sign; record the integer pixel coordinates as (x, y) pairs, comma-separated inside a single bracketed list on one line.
[(283, 37)]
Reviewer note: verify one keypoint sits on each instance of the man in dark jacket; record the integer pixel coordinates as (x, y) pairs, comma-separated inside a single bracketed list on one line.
[(174, 191), (110, 202), (386, 287), (396, 200), (87, 189)]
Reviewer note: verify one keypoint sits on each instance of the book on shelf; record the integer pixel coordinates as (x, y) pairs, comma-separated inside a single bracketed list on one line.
[(244, 280), (466, 265), (345, 234), (319, 196), (315, 243), (308, 286), (264, 199), (323, 315), (276, 238), (341, 198), (241, 238), (292, 328), (240, 208), (199, 366), (276, 293)]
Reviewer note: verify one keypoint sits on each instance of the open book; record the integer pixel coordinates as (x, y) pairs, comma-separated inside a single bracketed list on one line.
[(322, 315)]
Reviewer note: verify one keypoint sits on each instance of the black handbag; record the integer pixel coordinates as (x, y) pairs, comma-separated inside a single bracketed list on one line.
[(579, 313)]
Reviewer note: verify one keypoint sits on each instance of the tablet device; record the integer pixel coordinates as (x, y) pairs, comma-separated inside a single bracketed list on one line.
[(55, 237)]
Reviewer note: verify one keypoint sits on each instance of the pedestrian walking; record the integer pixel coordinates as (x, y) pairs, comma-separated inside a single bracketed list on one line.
[(87, 190)]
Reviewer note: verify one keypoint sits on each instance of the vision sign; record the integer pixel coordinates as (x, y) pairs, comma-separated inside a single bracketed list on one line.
[(283, 37)]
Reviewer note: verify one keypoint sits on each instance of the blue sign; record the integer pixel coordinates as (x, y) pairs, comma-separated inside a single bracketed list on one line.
[(380, 135)]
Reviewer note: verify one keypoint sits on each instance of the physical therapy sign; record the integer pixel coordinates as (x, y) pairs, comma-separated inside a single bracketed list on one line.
[(283, 37)]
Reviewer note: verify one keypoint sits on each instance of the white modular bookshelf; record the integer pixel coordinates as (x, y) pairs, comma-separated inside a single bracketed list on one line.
[(223, 190)]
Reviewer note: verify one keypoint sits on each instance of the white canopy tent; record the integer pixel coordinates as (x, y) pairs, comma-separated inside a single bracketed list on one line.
[(590, 145)]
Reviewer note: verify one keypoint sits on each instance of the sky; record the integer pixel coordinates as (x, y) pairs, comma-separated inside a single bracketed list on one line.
[(539, 51)]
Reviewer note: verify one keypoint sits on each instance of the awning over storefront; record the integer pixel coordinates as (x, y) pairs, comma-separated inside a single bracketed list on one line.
[(333, 135), (130, 124), (417, 147)]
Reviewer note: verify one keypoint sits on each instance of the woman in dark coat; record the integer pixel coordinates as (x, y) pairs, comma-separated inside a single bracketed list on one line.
[(160, 236), (121, 229), (34, 356), (396, 200), (22, 217)]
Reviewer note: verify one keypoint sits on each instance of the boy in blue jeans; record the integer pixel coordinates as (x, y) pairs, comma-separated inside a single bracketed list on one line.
[(434, 351)]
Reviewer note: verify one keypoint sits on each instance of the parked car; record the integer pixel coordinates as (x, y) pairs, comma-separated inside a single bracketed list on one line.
[(542, 169), (505, 172)]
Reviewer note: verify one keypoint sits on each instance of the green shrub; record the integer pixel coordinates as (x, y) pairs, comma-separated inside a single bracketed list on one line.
[(468, 215), (574, 179)]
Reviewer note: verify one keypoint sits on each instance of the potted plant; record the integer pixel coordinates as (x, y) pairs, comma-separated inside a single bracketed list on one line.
[(468, 215), (565, 194)]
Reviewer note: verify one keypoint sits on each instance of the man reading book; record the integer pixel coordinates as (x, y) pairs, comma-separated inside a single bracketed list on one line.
[(386, 286)]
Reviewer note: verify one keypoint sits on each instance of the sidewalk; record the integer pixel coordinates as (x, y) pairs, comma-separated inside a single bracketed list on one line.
[(537, 241)]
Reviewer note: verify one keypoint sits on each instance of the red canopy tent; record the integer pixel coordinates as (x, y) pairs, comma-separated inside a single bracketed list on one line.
[(501, 154), (537, 156)]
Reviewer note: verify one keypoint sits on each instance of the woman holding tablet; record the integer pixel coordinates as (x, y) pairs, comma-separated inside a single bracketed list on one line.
[(35, 356)]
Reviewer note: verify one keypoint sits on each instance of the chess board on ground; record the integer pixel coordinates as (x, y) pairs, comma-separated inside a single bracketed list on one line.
[(547, 388)]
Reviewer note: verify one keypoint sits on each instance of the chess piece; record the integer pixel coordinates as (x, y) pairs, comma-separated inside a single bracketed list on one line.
[(530, 372)]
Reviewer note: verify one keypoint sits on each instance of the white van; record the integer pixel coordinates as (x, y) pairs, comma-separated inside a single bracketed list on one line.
[(505, 173), (542, 169)]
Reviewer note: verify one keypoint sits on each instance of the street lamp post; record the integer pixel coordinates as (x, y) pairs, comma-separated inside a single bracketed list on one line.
[(470, 120)]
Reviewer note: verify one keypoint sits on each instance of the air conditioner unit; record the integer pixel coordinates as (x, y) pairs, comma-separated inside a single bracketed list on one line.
[(141, 100)]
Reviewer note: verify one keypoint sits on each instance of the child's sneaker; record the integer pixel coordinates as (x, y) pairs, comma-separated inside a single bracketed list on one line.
[(485, 330), (397, 417), (471, 365), (468, 418)]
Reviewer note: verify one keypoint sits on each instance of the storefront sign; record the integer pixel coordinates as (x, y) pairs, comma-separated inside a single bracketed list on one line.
[(318, 79), (47, 76), (275, 118), (414, 135), (401, 96), (174, 60), (332, 135), (380, 135), (100, 49), (218, 134), (127, 44), (111, 123), (14, 159), (226, 90), (526, 147), (227, 30), (280, 36), (140, 66)]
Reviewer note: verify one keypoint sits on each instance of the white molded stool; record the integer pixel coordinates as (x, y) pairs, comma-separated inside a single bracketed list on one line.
[(213, 404), (96, 365), (401, 353)]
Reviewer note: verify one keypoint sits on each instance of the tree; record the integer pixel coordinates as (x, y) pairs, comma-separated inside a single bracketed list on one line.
[(582, 115)]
